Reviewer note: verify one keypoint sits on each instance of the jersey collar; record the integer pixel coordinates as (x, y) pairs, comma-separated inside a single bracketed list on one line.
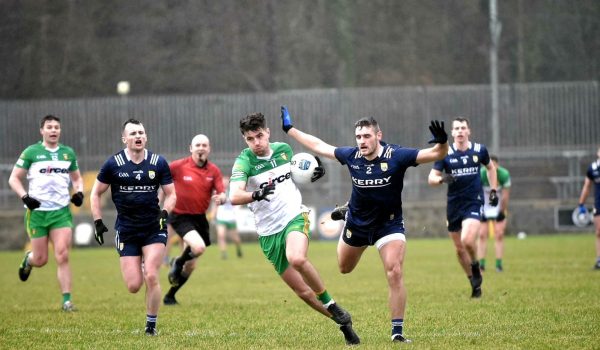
[(129, 158)]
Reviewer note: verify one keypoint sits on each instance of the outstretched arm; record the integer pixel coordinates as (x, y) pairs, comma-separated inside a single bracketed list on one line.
[(311, 142)]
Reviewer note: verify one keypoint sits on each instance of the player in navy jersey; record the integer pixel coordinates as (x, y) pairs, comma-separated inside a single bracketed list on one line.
[(592, 177), (134, 176), (374, 214), (460, 169)]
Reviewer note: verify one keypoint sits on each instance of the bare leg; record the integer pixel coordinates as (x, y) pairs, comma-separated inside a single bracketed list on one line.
[(61, 238), (392, 256)]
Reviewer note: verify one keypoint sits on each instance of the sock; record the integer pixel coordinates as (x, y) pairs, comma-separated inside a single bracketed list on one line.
[(151, 321), (325, 298), (185, 256), (482, 263), (66, 297), (174, 290), (475, 269), (498, 262), (397, 325), (239, 250)]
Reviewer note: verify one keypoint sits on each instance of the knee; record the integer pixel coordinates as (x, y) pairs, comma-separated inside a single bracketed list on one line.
[(38, 260), (197, 251), (151, 279), (134, 286), (297, 262), (62, 256), (394, 272)]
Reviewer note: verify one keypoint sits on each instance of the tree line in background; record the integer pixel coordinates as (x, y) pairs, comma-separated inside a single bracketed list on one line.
[(70, 48)]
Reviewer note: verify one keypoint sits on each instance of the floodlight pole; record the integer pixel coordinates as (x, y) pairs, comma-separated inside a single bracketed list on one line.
[(495, 29)]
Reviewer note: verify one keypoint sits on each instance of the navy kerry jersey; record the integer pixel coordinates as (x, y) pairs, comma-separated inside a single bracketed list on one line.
[(134, 189), (464, 166), (376, 184)]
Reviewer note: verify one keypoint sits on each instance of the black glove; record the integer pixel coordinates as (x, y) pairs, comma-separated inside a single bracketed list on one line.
[(493, 198), (99, 231), (448, 178), (339, 213), (261, 194), (319, 171), (77, 199), (162, 219), (31, 202), (286, 120), (438, 132)]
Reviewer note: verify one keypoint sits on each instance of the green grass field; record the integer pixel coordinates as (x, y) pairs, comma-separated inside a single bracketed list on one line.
[(547, 298)]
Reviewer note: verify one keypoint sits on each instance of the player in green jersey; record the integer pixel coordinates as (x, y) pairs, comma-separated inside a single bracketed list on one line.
[(261, 178), (50, 168), (494, 218)]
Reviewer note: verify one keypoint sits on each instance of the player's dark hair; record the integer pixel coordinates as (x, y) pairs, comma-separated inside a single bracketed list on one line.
[(252, 122), (494, 158), (462, 120), (368, 121), (131, 121), (48, 118)]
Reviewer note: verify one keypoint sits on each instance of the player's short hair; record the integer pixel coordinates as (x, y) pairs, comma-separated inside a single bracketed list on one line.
[(48, 118), (462, 120), (130, 121), (252, 122), (367, 121), (494, 158)]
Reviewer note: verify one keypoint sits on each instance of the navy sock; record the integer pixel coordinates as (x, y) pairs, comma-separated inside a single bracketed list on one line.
[(151, 321), (397, 325)]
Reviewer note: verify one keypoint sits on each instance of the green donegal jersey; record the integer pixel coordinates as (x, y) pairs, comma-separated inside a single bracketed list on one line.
[(285, 203), (48, 174)]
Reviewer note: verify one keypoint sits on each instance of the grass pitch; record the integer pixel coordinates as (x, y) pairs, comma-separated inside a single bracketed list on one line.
[(547, 298)]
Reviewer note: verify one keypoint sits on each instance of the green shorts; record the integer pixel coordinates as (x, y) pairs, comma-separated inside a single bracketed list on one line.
[(38, 223), (230, 225), (273, 246)]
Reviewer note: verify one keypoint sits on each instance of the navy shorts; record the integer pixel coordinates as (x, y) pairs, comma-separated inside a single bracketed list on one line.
[(131, 244), (184, 223), (459, 211), (358, 237)]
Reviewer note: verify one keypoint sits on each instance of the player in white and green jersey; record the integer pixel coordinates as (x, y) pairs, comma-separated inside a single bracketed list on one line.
[(261, 177), (50, 168), (495, 216)]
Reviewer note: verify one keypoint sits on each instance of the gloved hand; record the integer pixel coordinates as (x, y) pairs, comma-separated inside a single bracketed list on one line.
[(319, 171), (99, 231), (31, 202), (582, 209), (286, 120), (261, 194), (448, 178), (438, 132), (77, 199), (493, 198), (162, 219), (339, 213)]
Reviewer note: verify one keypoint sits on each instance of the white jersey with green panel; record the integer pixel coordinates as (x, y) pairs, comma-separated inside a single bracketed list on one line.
[(48, 174), (285, 203)]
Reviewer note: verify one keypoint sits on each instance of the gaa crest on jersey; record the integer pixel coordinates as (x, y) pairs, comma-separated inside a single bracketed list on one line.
[(284, 156), (384, 166), (151, 174), (65, 156), (475, 158)]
